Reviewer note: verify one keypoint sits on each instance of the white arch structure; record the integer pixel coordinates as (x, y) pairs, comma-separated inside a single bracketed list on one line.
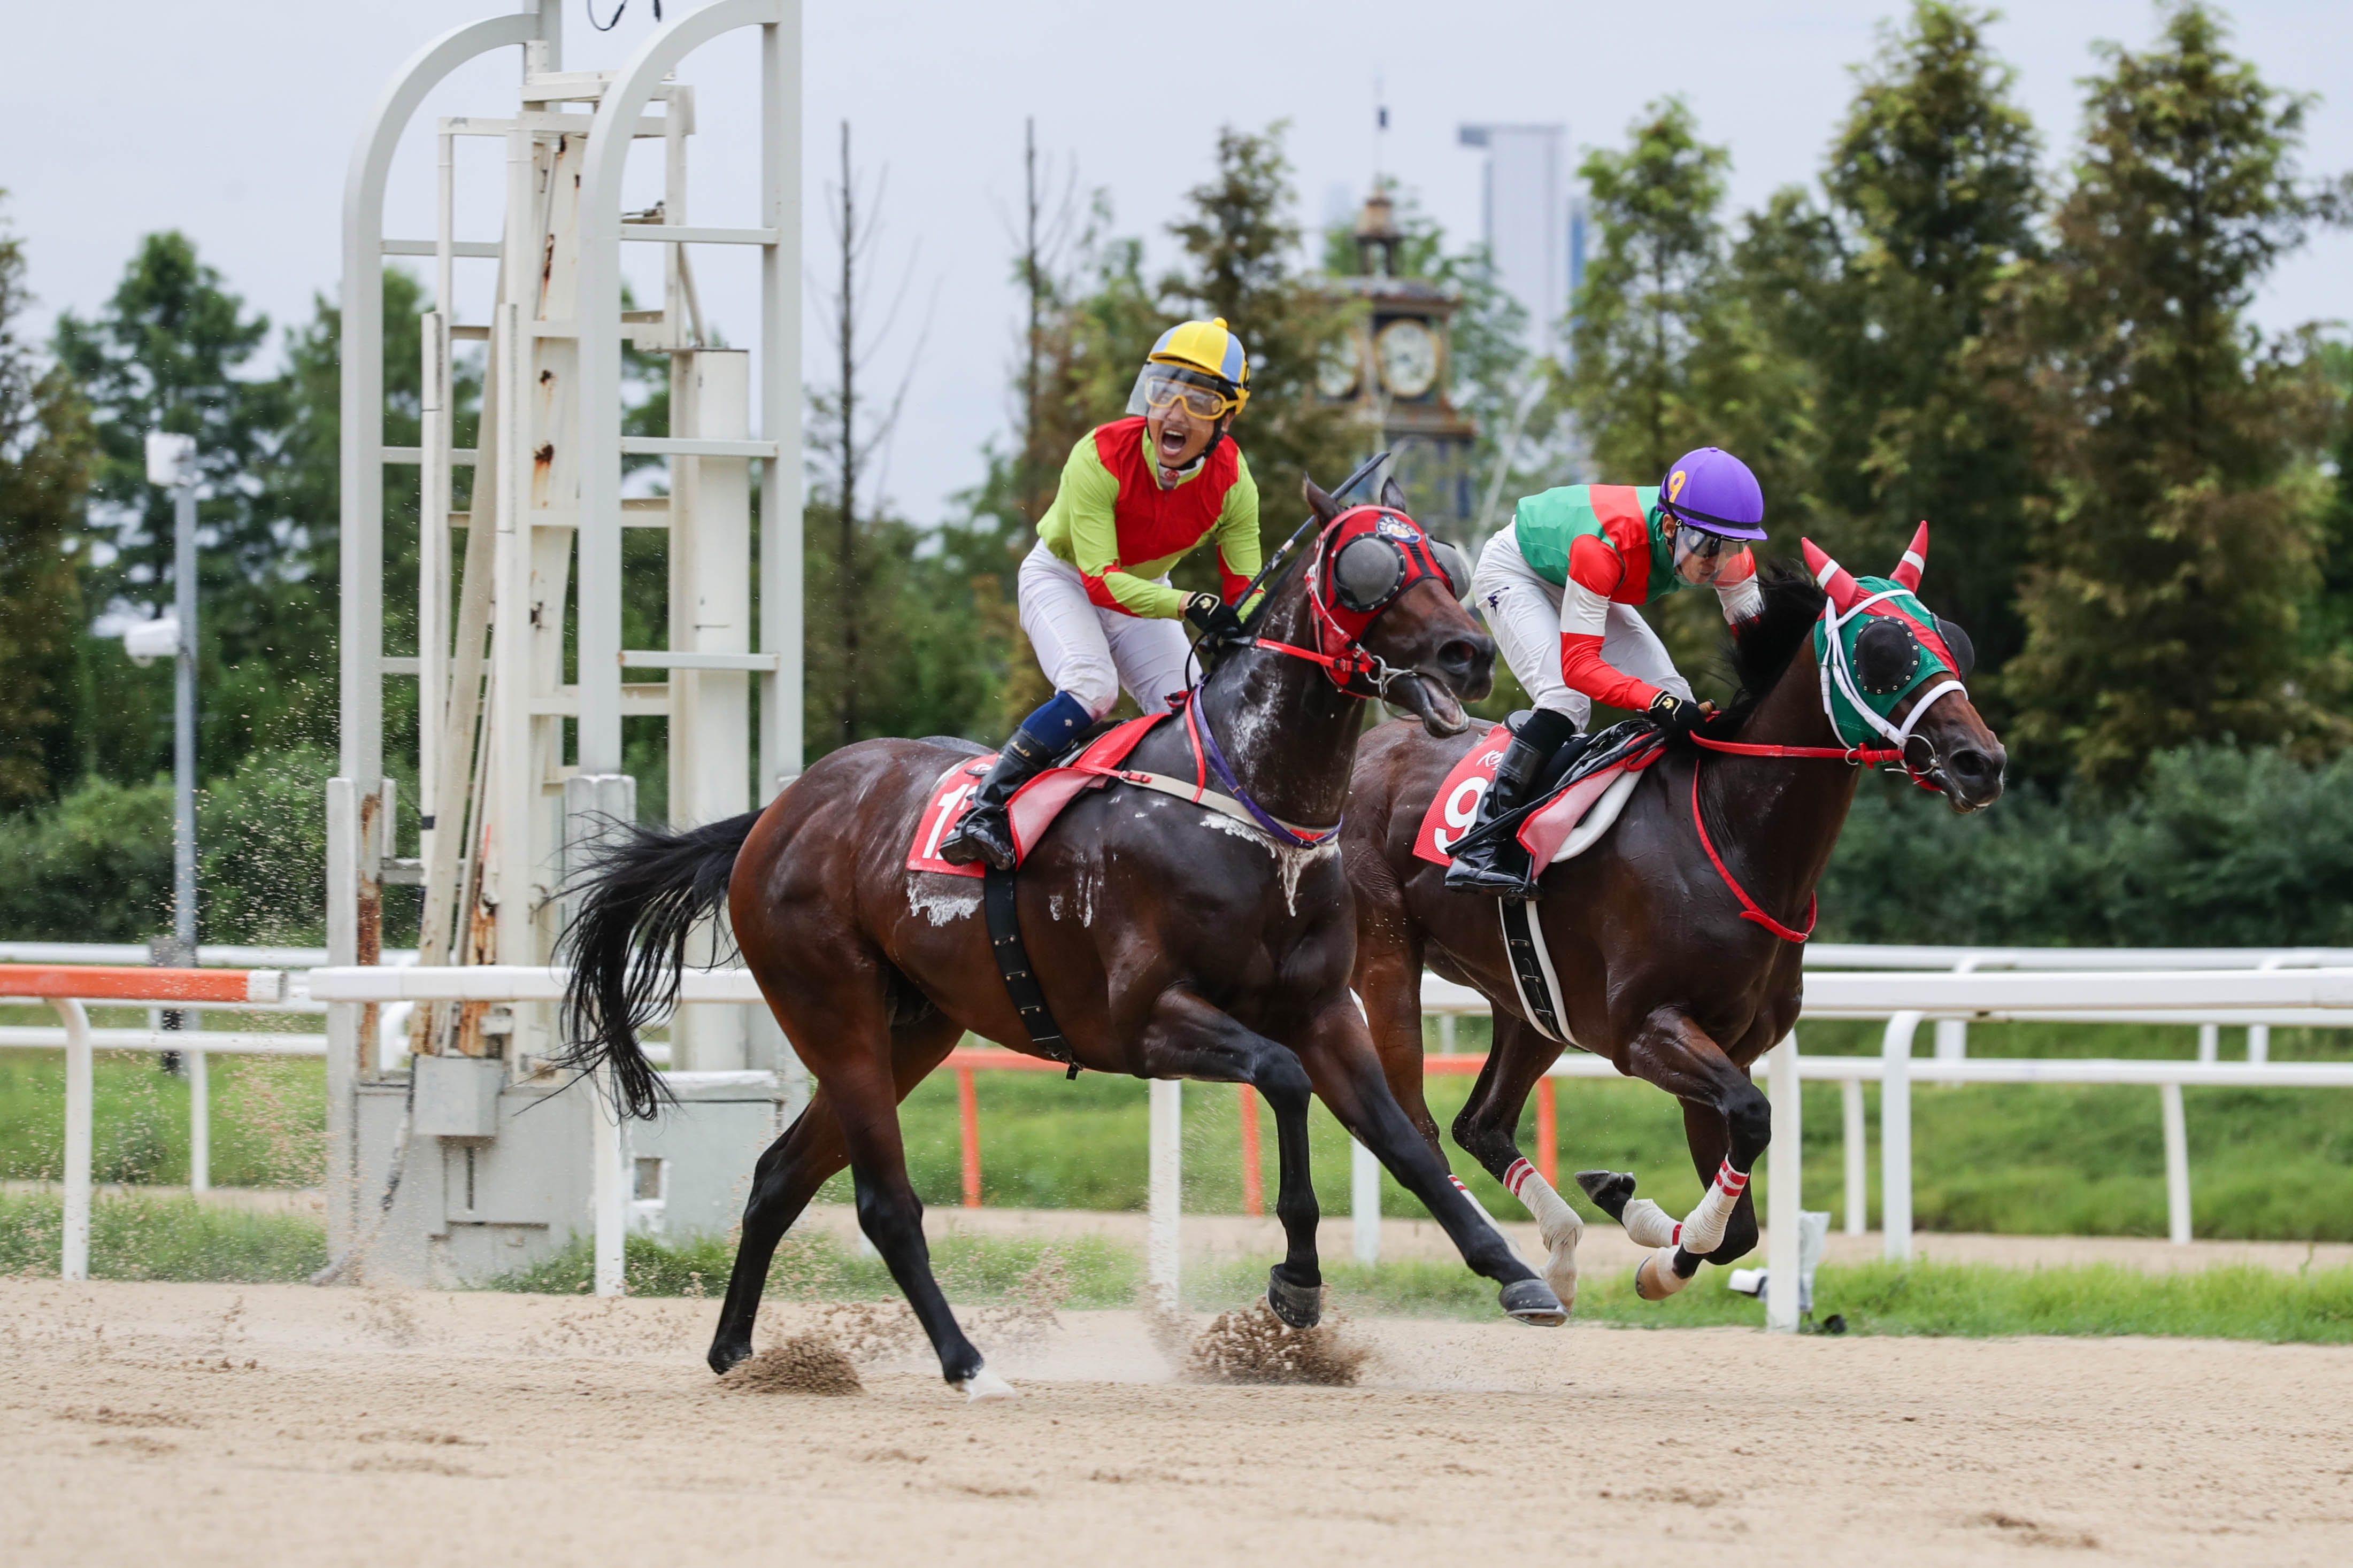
[(360, 843)]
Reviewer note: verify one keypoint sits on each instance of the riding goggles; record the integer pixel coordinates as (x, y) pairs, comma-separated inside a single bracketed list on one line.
[(1701, 557), (1161, 388)]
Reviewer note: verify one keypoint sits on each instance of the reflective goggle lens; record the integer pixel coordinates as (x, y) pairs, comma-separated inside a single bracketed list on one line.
[(1201, 402)]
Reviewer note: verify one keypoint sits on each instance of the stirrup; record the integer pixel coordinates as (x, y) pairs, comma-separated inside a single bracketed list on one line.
[(964, 845)]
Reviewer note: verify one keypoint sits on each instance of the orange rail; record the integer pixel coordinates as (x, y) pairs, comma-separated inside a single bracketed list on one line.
[(968, 1061), (131, 982)]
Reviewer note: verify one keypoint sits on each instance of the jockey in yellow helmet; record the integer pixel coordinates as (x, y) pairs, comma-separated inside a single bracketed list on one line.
[(1137, 495)]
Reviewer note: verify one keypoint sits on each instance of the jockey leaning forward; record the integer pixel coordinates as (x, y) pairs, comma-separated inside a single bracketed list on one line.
[(1137, 495), (1559, 588)]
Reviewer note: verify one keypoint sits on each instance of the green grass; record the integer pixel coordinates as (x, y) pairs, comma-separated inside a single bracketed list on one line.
[(155, 1237), (1973, 1301), (2265, 1164), (269, 1113), (149, 1237), (813, 1265)]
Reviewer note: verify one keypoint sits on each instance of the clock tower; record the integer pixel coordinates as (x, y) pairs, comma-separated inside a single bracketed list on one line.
[(1392, 367)]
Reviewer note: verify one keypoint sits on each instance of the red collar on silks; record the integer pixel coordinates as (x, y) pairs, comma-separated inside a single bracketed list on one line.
[(1365, 559)]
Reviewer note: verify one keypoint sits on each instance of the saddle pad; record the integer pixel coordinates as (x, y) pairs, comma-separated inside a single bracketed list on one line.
[(1564, 826), (1034, 805)]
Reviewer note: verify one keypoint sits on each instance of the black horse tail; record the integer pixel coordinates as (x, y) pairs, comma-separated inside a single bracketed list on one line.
[(640, 895)]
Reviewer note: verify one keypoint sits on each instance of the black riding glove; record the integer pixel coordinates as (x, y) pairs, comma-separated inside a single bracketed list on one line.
[(1678, 715), (1219, 621)]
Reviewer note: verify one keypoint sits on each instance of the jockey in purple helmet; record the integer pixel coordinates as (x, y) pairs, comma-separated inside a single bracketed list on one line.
[(1560, 587)]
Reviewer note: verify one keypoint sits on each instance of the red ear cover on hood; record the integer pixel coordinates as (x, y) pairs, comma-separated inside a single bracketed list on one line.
[(1916, 561), (1831, 577)]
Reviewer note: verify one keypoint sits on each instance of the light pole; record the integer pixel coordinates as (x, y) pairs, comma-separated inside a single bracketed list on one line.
[(172, 463)]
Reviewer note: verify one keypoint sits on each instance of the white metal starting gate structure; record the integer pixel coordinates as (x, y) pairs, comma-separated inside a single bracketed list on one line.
[(520, 668)]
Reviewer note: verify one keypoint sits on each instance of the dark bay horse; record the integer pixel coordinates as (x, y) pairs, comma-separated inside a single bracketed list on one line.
[(1171, 941), (1661, 968)]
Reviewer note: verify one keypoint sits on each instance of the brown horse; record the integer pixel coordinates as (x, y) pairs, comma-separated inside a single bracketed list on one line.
[(1661, 967), (1172, 941)]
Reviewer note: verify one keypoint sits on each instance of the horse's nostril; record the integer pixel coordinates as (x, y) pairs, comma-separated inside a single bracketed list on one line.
[(1458, 654), (1973, 766)]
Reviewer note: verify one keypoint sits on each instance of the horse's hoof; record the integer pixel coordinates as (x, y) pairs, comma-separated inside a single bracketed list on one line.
[(727, 1356), (1607, 1189), (1301, 1305), (1532, 1301), (985, 1386)]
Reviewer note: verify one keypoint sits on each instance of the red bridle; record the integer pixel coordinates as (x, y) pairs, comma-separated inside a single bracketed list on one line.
[(1340, 626)]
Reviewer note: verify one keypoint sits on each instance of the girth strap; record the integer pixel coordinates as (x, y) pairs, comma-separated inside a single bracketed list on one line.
[(1532, 971), (1021, 986)]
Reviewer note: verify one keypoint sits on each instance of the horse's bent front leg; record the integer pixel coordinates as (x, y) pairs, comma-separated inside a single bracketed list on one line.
[(1188, 1037), (1675, 1054), (1488, 1129), (1339, 1057)]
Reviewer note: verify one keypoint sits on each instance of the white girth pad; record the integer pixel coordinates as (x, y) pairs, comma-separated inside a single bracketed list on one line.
[(1601, 819)]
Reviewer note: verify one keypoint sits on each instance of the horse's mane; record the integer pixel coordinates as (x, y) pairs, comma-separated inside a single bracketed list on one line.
[(1754, 661)]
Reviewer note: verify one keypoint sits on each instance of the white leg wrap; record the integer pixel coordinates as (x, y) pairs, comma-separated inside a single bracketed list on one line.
[(984, 1385), (1648, 1224), (1702, 1233), (1655, 1278), (1556, 1221)]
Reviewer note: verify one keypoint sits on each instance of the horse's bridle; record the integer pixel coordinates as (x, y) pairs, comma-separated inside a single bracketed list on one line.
[(1930, 778), (1415, 560)]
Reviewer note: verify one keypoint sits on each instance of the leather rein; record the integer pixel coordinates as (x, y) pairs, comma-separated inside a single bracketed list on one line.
[(1854, 756)]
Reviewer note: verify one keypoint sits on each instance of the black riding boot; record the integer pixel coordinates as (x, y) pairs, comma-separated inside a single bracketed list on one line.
[(986, 833), (1495, 863)]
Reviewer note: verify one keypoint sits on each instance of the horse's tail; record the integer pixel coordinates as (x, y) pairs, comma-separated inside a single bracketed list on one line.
[(640, 897)]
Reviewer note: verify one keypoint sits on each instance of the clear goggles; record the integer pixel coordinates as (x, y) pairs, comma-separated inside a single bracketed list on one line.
[(1161, 388), (1700, 555)]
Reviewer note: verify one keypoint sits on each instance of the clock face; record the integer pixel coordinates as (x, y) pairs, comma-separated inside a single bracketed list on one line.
[(1336, 372), (1407, 352)]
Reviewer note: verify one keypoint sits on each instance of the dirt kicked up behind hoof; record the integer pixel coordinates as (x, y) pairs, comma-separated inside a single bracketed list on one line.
[(1253, 1345), (806, 1363)]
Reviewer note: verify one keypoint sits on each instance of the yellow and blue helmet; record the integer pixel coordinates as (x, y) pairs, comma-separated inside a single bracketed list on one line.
[(1204, 355)]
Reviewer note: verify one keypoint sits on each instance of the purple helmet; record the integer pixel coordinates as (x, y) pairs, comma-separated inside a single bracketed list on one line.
[(1713, 491)]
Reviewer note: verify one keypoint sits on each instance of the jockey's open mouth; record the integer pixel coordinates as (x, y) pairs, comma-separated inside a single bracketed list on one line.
[(1173, 441)]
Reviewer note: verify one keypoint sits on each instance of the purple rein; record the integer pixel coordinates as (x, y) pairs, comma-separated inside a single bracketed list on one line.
[(1205, 745)]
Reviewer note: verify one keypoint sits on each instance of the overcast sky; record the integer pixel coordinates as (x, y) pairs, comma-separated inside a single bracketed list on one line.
[(235, 124)]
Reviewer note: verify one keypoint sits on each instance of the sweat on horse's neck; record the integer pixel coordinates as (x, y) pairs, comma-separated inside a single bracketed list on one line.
[(1288, 733), (1777, 819)]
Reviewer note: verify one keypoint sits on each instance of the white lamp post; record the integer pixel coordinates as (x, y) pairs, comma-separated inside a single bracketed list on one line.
[(172, 464)]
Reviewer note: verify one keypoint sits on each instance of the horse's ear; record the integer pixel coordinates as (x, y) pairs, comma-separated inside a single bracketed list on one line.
[(1916, 561), (1325, 508), (1392, 497), (1832, 578)]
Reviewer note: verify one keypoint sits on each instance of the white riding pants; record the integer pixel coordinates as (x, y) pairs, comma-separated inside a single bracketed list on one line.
[(1523, 610), (1092, 652)]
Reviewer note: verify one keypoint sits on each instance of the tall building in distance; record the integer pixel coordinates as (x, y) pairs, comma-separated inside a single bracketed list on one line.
[(1533, 229)]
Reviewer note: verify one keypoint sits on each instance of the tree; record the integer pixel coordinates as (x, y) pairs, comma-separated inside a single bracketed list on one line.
[(2177, 535), (1883, 293), (45, 460), (1665, 354), (1241, 245)]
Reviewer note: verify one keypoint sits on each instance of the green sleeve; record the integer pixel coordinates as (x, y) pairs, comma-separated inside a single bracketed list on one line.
[(1238, 551), (1083, 528)]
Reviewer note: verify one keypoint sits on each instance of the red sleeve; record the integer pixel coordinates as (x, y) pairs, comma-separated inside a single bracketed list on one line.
[(1230, 582), (1592, 563), (1584, 668)]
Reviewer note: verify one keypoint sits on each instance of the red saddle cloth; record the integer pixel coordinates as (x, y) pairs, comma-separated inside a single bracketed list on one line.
[(1542, 833), (1034, 805)]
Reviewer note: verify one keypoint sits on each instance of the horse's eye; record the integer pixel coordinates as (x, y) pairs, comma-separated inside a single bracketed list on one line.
[(1887, 656)]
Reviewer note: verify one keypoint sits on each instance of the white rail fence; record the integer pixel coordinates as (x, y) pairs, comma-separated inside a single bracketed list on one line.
[(2282, 989)]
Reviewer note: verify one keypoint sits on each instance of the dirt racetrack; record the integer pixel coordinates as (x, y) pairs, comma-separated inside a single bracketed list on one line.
[(200, 1424)]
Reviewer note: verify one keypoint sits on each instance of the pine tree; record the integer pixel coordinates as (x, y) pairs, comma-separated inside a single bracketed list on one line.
[(45, 460), (2178, 535), (1665, 354), (1243, 262), (1882, 292)]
